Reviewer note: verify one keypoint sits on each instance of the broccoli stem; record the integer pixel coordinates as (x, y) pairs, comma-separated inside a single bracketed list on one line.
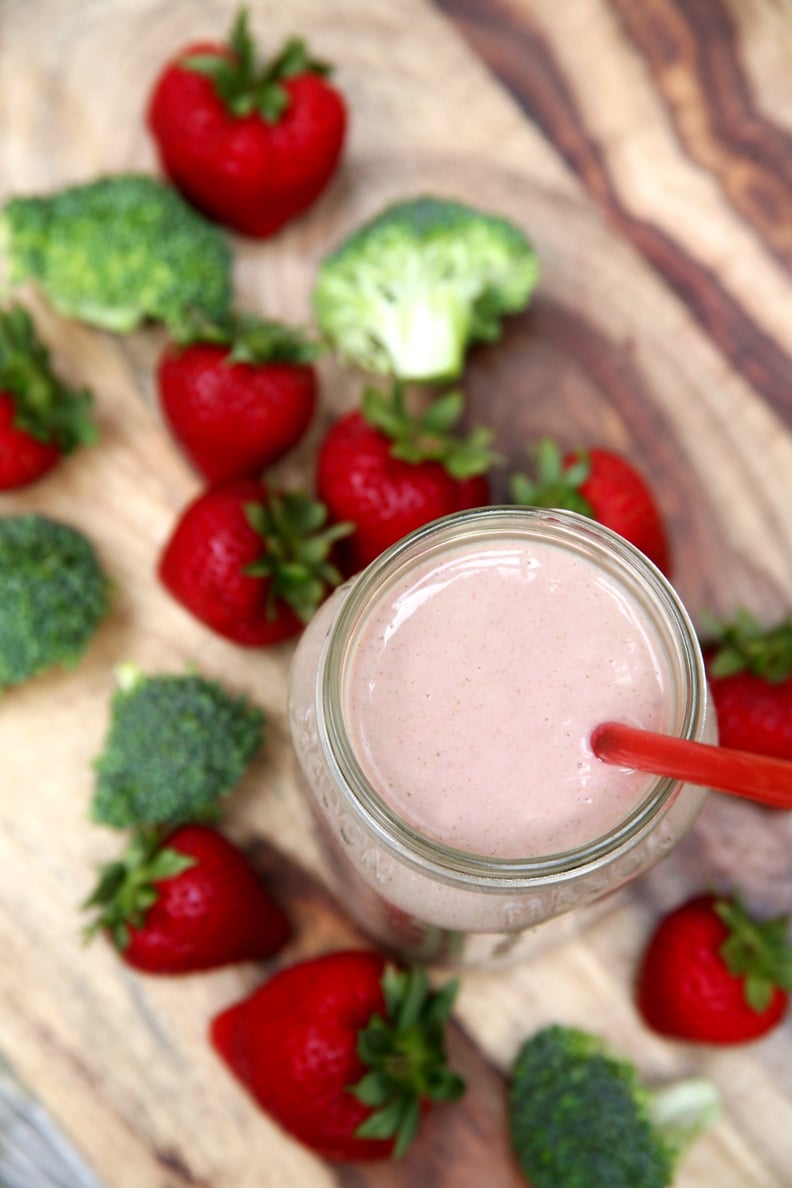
[(682, 1110), (425, 334)]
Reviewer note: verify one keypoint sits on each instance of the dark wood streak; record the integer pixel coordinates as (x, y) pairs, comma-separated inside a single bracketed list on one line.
[(557, 375), (177, 1170), (523, 60), (715, 117)]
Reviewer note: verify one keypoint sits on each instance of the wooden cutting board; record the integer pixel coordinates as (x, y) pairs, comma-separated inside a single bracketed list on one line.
[(662, 327)]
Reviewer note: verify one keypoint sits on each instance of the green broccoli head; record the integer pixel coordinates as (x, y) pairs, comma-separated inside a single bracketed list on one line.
[(53, 595), (580, 1116), (176, 745), (119, 251), (406, 293)]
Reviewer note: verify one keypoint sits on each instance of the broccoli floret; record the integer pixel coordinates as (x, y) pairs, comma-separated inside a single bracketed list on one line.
[(176, 744), (406, 293), (118, 251), (580, 1116), (53, 595)]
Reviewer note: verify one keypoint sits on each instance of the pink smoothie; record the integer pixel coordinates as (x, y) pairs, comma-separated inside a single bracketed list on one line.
[(473, 688)]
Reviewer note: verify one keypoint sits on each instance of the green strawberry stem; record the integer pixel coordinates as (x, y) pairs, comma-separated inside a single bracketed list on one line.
[(744, 644), (126, 888), (43, 406), (428, 437), (553, 484), (296, 559), (406, 1058), (682, 1110), (251, 339), (242, 84), (756, 951)]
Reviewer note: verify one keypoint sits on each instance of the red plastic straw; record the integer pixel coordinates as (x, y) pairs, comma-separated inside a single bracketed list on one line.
[(754, 777)]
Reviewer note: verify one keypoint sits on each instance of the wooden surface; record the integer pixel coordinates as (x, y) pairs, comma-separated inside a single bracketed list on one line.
[(646, 147)]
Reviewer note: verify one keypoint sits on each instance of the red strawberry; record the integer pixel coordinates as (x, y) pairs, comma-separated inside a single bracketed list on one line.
[(388, 472), (187, 903), (344, 1051), (713, 975), (600, 484), (251, 564), (750, 675), (251, 146), (238, 396), (40, 418)]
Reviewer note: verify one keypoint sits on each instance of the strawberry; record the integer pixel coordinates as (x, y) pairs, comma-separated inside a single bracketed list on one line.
[(251, 146), (388, 472), (186, 903), (344, 1051), (711, 974), (40, 418), (238, 396), (600, 484), (750, 676), (251, 564)]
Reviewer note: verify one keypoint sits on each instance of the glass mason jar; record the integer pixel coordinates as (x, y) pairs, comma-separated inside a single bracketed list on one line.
[(429, 901)]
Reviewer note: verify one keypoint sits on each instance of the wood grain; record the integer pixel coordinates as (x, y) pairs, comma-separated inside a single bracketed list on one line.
[(645, 149), (649, 106)]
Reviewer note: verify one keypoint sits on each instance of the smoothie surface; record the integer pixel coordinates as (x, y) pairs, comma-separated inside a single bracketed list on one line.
[(473, 687)]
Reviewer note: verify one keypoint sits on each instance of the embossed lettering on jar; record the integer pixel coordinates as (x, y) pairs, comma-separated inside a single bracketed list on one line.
[(441, 707)]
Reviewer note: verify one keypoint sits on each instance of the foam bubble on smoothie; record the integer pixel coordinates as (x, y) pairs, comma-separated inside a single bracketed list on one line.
[(474, 684)]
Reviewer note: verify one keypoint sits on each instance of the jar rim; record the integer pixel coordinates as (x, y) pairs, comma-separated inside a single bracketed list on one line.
[(400, 837)]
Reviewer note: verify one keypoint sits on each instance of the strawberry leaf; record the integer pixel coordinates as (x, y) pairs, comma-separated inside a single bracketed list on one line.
[(44, 407), (415, 989), (439, 1008), (241, 43), (294, 60), (242, 84), (758, 992), (251, 339), (407, 1127), (219, 69), (392, 988), (296, 557), (405, 1055), (371, 1090), (428, 438), (443, 413), (757, 951), (553, 484), (126, 887), (383, 1123), (745, 644)]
